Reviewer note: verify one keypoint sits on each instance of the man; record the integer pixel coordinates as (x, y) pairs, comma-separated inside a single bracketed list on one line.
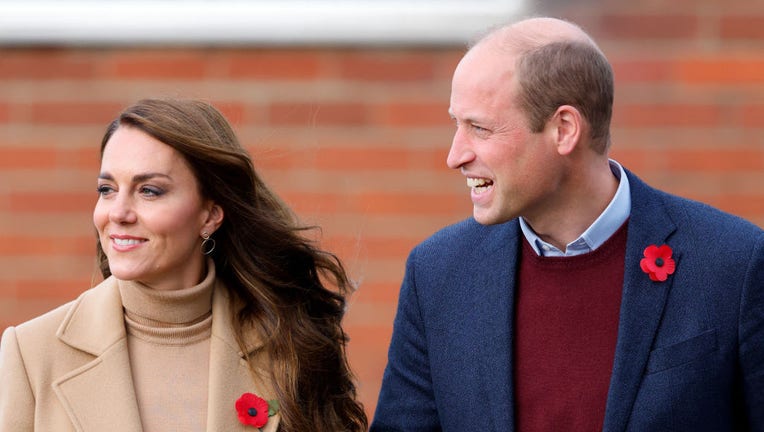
[(577, 298)]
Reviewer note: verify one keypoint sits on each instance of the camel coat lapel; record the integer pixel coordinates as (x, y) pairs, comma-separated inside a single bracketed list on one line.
[(229, 374), (98, 395)]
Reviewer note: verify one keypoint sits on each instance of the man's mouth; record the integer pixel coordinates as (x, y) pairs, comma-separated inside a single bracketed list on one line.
[(479, 185)]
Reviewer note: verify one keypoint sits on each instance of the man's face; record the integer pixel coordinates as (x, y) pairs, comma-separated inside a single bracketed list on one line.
[(510, 170)]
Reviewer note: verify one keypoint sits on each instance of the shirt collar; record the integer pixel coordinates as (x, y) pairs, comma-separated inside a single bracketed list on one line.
[(614, 215)]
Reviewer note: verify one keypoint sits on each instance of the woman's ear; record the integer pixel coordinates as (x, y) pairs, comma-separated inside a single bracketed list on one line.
[(568, 124), (214, 218)]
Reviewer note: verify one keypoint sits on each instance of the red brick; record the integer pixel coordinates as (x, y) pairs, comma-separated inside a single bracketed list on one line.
[(235, 112), (307, 202), (742, 27), (5, 112), (28, 245), (159, 64), (753, 116), (411, 203), (747, 206), (722, 159), (409, 114), (722, 70), (277, 159), (387, 66), (371, 247), (44, 64), (69, 113), (274, 65), (631, 71), (372, 158), (667, 115), (648, 26), (640, 160), (59, 289), (52, 202), (382, 292), (26, 158), (24, 309), (323, 114), (86, 158), (433, 159)]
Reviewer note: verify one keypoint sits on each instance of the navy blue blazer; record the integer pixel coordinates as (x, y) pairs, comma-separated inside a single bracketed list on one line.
[(689, 354)]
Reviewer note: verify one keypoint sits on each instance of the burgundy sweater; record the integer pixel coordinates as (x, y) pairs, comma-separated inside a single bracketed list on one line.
[(566, 324)]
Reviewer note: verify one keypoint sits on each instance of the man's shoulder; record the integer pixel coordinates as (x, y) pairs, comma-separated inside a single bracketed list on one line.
[(705, 219), (688, 214), (468, 235)]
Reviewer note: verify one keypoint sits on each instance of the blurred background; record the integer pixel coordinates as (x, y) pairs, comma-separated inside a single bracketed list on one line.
[(343, 106)]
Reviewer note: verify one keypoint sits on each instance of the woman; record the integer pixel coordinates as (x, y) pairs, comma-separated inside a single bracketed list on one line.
[(215, 313)]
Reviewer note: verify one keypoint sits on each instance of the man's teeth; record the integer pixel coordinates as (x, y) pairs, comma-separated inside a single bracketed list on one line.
[(126, 242), (479, 185)]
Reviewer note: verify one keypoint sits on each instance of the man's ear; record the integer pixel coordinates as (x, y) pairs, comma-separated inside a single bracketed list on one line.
[(568, 126)]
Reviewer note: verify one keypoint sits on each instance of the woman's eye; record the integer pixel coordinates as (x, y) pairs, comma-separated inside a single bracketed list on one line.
[(104, 189), (150, 191)]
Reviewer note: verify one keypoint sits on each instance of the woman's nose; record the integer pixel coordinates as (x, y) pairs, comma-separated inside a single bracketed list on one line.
[(122, 210)]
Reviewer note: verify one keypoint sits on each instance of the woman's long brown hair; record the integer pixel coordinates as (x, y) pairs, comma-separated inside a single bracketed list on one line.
[(267, 264)]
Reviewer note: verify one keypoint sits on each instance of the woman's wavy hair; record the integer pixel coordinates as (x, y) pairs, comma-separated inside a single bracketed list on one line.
[(261, 255)]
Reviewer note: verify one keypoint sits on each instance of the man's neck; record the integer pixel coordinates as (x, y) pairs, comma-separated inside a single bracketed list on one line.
[(583, 200)]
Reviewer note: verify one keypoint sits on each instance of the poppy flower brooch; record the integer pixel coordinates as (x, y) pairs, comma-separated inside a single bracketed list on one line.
[(254, 410), (657, 262)]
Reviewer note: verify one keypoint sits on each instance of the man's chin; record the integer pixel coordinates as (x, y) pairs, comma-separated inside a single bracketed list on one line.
[(484, 217)]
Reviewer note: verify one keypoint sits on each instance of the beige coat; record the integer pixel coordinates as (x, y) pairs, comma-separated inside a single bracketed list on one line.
[(68, 370)]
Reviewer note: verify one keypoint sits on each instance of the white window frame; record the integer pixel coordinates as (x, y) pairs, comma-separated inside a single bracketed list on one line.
[(264, 22)]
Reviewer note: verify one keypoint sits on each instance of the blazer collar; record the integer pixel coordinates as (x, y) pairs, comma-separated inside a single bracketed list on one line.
[(642, 302), (100, 395)]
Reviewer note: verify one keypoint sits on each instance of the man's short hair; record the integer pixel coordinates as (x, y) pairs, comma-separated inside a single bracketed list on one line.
[(567, 73)]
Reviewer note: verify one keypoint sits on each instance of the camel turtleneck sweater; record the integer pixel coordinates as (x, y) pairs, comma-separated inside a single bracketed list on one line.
[(168, 339)]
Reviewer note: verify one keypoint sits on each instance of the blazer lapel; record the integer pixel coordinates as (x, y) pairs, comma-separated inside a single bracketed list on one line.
[(642, 303), (229, 373), (99, 395), (494, 277)]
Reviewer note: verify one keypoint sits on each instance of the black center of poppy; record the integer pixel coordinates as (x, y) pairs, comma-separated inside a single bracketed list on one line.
[(659, 262), (252, 412)]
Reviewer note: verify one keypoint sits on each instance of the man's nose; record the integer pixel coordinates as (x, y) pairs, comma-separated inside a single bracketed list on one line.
[(460, 152)]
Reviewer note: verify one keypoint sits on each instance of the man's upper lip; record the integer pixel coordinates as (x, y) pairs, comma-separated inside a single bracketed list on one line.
[(476, 176)]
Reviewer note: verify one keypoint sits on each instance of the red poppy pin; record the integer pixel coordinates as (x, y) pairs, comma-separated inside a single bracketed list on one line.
[(254, 410), (658, 263)]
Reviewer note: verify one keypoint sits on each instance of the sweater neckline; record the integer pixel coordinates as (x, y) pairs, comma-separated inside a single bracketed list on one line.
[(177, 308)]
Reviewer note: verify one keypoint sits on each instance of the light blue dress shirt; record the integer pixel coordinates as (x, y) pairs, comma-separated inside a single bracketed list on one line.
[(603, 228)]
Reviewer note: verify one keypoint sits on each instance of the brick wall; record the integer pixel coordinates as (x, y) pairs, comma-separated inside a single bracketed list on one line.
[(356, 140)]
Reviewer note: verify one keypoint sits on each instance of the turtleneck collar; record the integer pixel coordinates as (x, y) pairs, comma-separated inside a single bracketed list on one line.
[(169, 308)]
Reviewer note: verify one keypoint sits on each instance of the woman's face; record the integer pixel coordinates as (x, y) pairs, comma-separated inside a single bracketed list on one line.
[(150, 214)]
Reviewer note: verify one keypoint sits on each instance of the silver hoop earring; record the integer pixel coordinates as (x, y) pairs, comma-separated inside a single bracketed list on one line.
[(208, 244)]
